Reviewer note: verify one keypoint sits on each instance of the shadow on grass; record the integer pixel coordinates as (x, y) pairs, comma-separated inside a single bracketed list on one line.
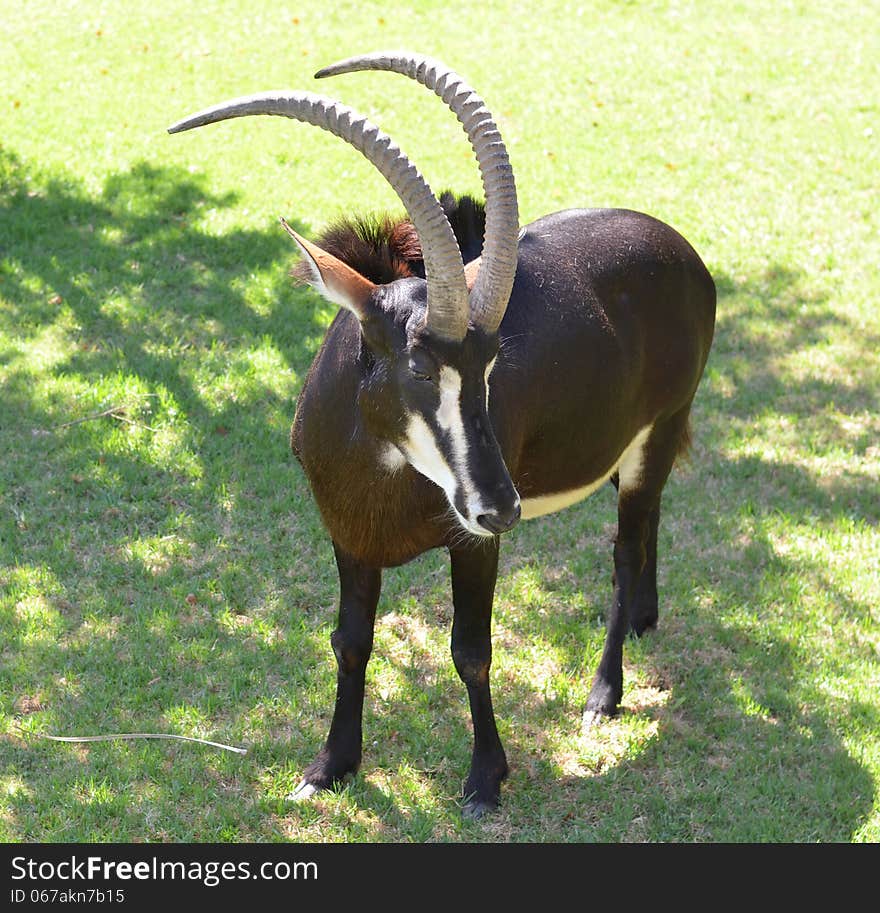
[(127, 566), (225, 624)]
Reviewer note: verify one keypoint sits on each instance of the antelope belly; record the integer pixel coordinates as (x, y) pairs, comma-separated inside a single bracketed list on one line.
[(629, 463), (549, 504)]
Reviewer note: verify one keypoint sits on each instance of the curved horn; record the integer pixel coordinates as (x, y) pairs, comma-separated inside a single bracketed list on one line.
[(491, 291), (447, 314)]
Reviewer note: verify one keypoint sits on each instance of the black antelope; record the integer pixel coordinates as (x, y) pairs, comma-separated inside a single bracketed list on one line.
[(450, 399)]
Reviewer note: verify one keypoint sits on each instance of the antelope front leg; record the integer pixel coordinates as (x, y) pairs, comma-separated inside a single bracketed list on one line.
[(474, 569), (352, 642)]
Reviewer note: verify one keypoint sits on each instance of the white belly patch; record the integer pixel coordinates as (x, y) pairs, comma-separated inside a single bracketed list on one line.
[(629, 464)]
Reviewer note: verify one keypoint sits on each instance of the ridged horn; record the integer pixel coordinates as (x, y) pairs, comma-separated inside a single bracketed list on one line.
[(491, 291), (447, 290)]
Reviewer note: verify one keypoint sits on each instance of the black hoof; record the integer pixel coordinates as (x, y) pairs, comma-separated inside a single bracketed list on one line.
[(590, 719), (474, 809), (643, 616), (482, 791), (601, 704), (638, 628), (643, 619), (325, 772), (303, 792)]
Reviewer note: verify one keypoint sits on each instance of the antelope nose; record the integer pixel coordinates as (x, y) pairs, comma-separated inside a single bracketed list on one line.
[(501, 521)]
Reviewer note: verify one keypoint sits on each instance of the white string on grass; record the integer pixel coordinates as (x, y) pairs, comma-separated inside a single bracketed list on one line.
[(132, 735)]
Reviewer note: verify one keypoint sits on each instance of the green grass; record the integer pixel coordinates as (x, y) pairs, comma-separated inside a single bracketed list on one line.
[(164, 568)]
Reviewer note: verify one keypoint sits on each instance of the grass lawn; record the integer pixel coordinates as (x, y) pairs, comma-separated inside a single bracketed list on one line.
[(162, 564)]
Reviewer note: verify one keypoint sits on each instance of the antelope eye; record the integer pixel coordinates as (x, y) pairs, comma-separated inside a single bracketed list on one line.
[(421, 368), (419, 374)]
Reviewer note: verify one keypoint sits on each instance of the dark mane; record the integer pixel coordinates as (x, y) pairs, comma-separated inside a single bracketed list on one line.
[(383, 248), (467, 216)]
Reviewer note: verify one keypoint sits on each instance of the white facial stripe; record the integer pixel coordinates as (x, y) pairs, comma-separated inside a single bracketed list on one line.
[(488, 372), (450, 420), (449, 413), (424, 454)]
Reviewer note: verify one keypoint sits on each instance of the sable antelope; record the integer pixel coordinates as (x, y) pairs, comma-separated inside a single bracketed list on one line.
[(448, 400)]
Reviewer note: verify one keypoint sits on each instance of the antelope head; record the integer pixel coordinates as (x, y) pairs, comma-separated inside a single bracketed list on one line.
[(427, 345)]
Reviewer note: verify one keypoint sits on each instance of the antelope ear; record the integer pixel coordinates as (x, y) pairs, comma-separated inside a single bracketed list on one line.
[(335, 280)]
